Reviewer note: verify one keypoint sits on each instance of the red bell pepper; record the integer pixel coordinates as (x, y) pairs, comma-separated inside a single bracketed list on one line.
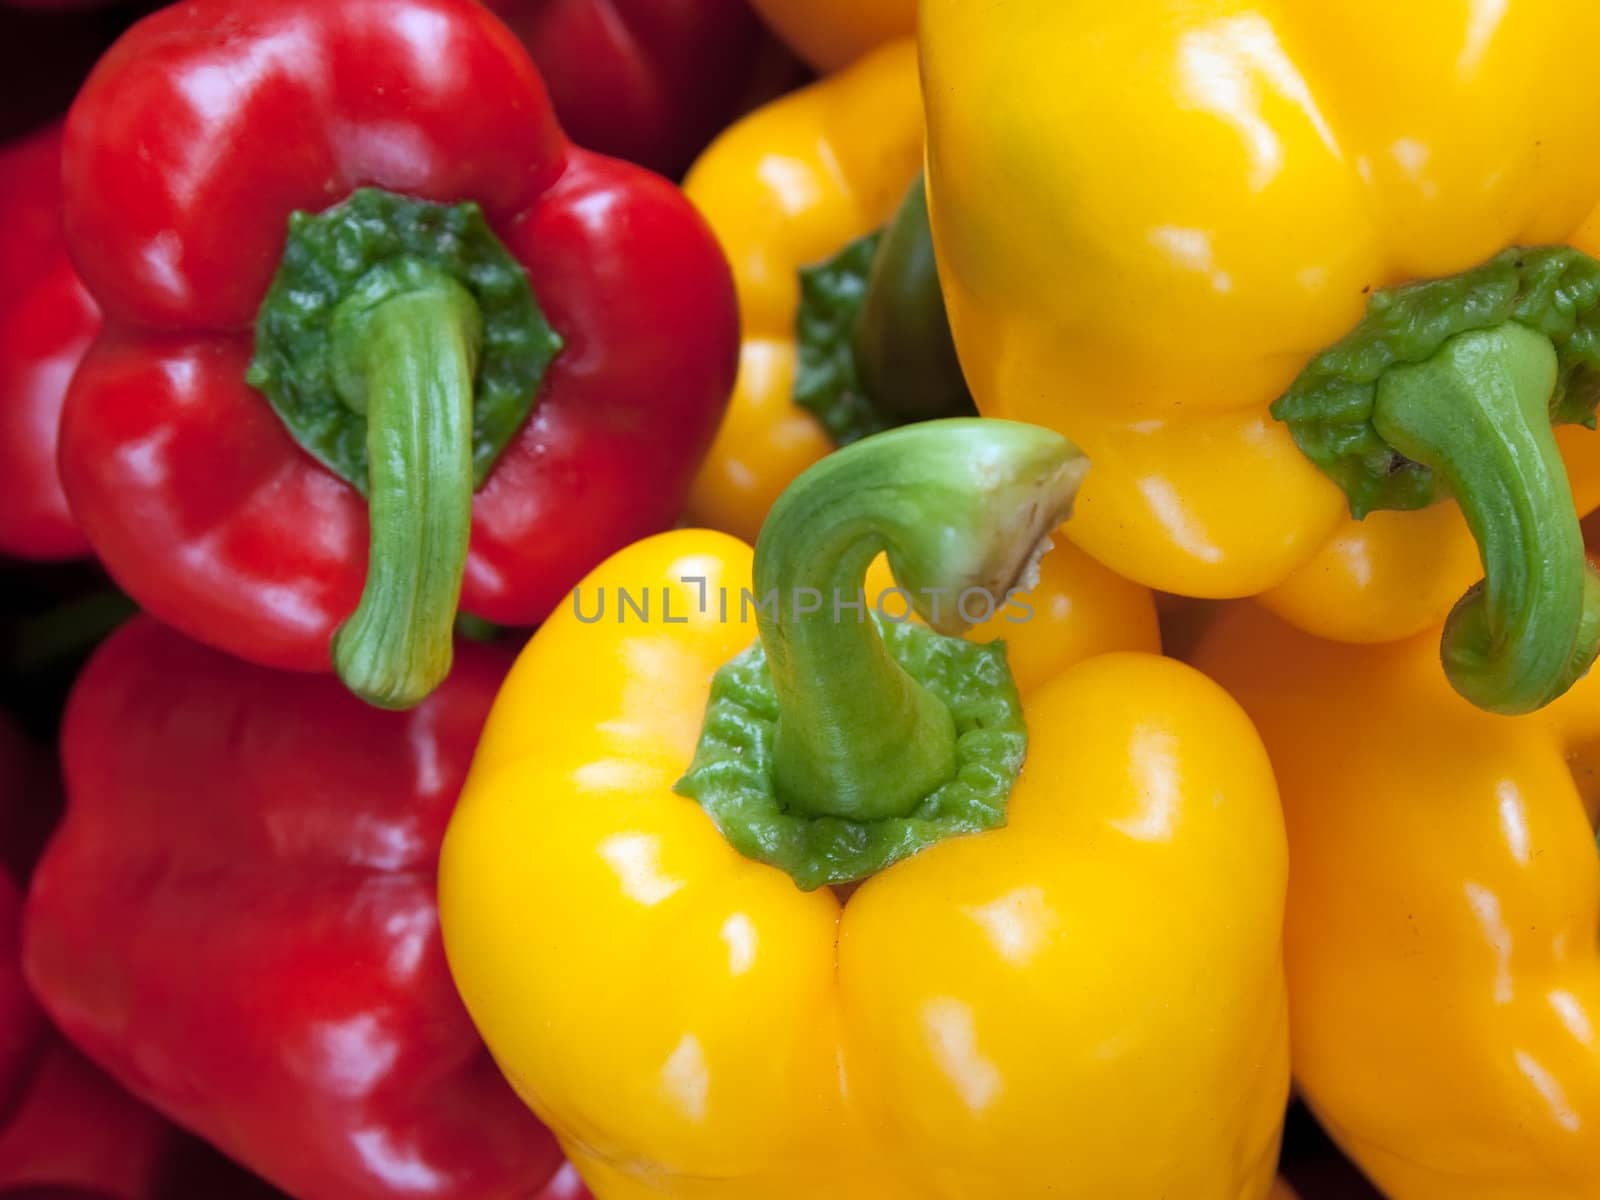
[(72, 1128), (399, 345), (65, 1128), (20, 1020), (651, 81), (47, 321), (236, 919)]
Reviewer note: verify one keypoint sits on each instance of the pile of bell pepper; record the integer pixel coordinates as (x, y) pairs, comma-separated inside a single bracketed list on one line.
[(776, 599)]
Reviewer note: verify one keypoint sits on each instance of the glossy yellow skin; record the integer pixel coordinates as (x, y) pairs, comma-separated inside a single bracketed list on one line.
[(1150, 216), (1444, 976), (788, 187), (1396, 574), (1078, 609), (830, 34), (1086, 1003)]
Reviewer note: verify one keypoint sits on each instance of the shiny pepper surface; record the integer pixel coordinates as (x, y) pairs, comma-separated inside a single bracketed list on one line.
[(67, 1131), (385, 346), (785, 188), (824, 219), (236, 919), (47, 321), (1444, 979), (1149, 218), (1082, 1004), (651, 81), (830, 34)]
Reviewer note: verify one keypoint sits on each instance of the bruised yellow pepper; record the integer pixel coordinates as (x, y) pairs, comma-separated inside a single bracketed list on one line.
[(830, 34), (1159, 226), (1444, 973), (920, 975)]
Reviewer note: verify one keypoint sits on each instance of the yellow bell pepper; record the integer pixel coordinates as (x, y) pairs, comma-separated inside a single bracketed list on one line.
[(1076, 610), (830, 34), (1444, 975), (1085, 1002), (1151, 218), (789, 186)]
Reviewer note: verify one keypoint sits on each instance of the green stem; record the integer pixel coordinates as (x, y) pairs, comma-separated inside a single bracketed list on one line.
[(1478, 413), (404, 351), (959, 505), (905, 351)]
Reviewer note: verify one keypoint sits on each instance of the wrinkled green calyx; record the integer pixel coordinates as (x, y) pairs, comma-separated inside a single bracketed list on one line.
[(1551, 290), (733, 769), (875, 346), (1451, 388), (825, 381), (332, 256), (843, 743)]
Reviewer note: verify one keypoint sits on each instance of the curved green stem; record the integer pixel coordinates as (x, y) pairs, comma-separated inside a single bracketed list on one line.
[(404, 352), (959, 505), (905, 351), (874, 344), (1478, 414), (390, 322)]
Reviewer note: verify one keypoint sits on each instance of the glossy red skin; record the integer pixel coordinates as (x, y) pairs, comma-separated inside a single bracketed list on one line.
[(651, 81), (21, 1024), (74, 1128), (237, 920), (186, 152), (63, 1124), (47, 321)]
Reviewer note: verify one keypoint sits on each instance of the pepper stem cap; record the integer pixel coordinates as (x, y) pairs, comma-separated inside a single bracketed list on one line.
[(842, 744), (1477, 413)]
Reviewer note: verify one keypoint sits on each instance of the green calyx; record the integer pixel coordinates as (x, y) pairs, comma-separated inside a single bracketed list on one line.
[(825, 381), (1551, 290), (875, 347), (1451, 388), (331, 256), (732, 773), (842, 742), (401, 346)]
